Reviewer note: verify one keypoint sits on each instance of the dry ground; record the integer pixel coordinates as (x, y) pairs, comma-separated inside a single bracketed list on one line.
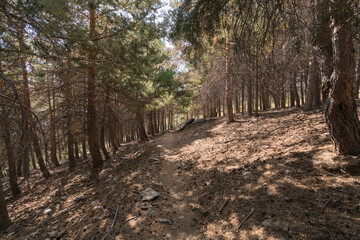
[(280, 168)]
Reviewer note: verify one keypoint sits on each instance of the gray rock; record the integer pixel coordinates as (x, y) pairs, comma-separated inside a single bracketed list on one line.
[(151, 213), (253, 120), (149, 195), (181, 217), (276, 225), (164, 221)]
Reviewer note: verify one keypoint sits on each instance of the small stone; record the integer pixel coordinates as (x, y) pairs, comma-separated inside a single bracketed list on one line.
[(245, 173), (10, 234), (149, 195), (182, 217), (276, 225), (164, 221), (47, 211), (288, 171), (151, 213), (87, 227), (154, 159), (82, 198), (93, 203), (253, 120), (98, 207), (137, 204), (196, 142), (53, 234)]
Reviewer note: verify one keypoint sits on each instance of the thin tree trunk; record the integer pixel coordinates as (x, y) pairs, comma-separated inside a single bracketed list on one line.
[(69, 114), (53, 156), (92, 128), (309, 98), (250, 98), (228, 84), (102, 142)]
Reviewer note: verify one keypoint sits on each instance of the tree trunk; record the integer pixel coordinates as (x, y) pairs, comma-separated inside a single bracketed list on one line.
[(84, 152), (142, 132), (357, 79), (5, 221), (250, 94), (9, 146), (256, 82), (317, 91), (323, 42), (53, 157), (340, 110), (228, 85), (102, 142), (302, 89), (242, 96), (92, 129), (69, 115), (27, 104), (309, 98)]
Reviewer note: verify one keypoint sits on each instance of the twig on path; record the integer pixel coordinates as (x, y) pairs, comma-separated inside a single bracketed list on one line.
[(246, 218), (35, 216), (127, 220), (113, 223), (327, 202), (224, 205)]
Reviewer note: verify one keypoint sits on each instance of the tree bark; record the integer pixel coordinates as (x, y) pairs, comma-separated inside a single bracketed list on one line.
[(140, 120), (53, 157), (322, 40), (340, 110), (92, 128), (9, 146), (228, 85), (309, 98), (69, 115), (5, 221), (102, 142)]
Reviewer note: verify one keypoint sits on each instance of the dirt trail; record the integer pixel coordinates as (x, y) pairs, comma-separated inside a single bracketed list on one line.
[(180, 198), (281, 164)]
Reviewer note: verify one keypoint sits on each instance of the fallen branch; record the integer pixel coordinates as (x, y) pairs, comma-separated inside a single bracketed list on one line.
[(246, 218), (327, 202), (224, 205), (113, 223)]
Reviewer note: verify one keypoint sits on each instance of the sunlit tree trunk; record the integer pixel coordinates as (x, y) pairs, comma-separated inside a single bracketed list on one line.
[(228, 84), (340, 110)]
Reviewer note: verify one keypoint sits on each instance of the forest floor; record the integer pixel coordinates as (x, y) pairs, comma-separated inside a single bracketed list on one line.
[(274, 176)]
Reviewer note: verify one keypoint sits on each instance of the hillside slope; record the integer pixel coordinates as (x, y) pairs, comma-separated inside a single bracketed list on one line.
[(275, 176)]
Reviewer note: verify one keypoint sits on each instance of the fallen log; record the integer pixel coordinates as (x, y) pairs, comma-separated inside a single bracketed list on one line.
[(184, 125)]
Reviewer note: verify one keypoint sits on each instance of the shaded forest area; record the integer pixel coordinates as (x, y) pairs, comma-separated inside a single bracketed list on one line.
[(92, 92)]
